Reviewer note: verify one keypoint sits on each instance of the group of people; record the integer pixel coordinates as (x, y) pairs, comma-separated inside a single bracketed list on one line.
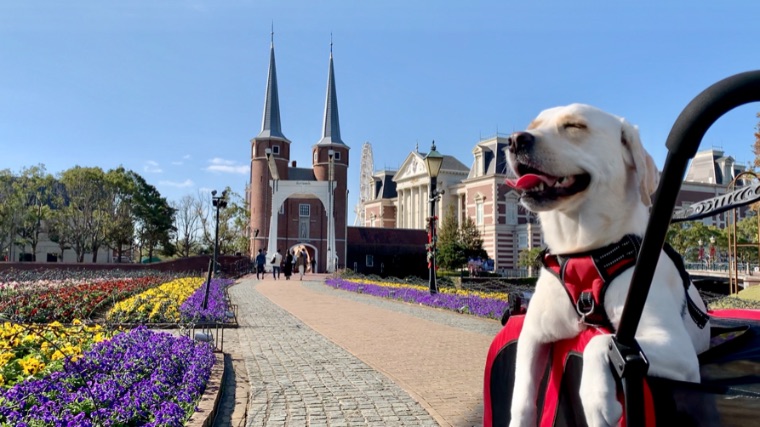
[(285, 265)]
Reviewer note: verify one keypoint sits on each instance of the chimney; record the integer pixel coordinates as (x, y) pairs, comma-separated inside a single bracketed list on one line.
[(294, 163)]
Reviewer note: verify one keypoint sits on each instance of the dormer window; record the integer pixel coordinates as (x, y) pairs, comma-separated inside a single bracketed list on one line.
[(478, 167)]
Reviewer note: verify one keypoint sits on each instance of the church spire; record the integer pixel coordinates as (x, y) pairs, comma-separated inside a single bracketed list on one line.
[(331, 125), (270, 124)]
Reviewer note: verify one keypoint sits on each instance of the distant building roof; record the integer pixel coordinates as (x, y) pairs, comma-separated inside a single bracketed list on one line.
[(301, 174), (385, 187), (713, 167), (331, 124), (494, 158), (270, 124), (450, 163)]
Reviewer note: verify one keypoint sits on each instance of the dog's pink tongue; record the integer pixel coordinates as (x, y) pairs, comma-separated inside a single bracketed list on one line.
[(528, 181)]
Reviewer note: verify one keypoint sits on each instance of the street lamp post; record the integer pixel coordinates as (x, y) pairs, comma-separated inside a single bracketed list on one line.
[(218, 202), (712, 251), (701, 253), (433, 161)]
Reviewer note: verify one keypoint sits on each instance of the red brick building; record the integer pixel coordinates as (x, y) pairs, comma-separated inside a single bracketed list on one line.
[(297, 207)]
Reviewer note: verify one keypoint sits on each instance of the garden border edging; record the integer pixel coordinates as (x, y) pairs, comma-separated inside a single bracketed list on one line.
[(209, 402)]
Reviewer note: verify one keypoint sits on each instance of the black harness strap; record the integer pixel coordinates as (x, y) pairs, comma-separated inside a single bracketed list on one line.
[(700, 318)]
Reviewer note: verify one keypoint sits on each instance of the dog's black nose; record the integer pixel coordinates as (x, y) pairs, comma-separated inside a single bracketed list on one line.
[(520, 141)]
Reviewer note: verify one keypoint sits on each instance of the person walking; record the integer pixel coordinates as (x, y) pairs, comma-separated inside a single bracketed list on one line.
[(287, 267), (276, 261), (261, 259), (313, 265), (301, 263)]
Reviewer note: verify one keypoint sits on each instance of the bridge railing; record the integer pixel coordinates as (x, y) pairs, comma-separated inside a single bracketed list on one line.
[(723, 267)]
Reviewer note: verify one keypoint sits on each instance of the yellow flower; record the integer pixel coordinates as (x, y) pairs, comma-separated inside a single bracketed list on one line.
[(2, 380), (31, 366), (5, 358)]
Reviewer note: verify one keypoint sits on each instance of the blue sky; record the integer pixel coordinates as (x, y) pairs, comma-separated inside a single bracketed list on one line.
[(175, 89)]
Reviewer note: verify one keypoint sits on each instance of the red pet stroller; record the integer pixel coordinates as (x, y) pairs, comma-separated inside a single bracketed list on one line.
[(729, 394)]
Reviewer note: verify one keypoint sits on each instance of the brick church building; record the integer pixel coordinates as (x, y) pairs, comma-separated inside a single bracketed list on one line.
[(299, 208)]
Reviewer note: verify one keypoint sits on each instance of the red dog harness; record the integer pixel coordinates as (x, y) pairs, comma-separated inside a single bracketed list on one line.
[(586, 277)]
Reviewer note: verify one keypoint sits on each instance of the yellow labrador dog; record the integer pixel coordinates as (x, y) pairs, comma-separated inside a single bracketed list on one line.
[(586, 174)]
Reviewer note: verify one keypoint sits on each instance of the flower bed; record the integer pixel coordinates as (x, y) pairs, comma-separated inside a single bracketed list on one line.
[(65, 303), (36, 350), (158, 305), (483, 304), (137, 378), (42, 279), (216, 307)]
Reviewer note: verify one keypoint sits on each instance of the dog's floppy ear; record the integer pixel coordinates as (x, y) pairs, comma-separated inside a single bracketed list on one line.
[(646, 171)]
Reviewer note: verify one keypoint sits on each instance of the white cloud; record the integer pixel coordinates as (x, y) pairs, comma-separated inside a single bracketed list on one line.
[(220, 161), (152, 166), (183, 184), (181, 162), (226, 166)]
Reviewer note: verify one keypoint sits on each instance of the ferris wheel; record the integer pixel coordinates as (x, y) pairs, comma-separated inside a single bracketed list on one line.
[(365, 183)]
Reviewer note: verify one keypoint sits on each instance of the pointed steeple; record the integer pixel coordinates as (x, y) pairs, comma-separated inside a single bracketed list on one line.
[(270, 124), (331, 125)]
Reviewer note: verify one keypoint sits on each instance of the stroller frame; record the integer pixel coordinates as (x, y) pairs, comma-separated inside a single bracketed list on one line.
[(627, 360)]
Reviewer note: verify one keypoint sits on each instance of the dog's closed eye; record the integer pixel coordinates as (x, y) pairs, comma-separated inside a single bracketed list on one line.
[(574, 125)]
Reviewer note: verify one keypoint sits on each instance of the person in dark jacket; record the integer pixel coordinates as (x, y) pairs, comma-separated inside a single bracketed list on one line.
[(287, 268), (261, 259)]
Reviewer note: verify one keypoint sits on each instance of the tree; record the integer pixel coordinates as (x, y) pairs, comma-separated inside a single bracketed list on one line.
[(528, 258), (206, 214), (234, 235), (685, 238), (34, 187), (83, 213), (188, 224), (451, 252), (11, 206), (471, 240), (58, 230), (120, 227), (239, 223), (154, 218)]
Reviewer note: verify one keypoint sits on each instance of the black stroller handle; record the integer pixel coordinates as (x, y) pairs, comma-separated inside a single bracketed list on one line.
[(683, 143)]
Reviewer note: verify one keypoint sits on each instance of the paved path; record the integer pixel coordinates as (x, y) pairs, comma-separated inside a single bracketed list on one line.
[(318, 356)]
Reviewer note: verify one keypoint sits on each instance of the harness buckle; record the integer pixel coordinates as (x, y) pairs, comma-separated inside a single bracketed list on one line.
[(585, 305)]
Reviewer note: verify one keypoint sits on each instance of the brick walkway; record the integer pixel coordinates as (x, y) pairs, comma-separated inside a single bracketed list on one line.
[(317, 356)]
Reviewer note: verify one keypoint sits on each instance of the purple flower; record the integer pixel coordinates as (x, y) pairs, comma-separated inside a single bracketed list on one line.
[(137, 378), (217, 307), (472, 304)]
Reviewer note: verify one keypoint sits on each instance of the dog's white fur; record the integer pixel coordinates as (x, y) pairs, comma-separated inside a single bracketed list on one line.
[(616, 203)]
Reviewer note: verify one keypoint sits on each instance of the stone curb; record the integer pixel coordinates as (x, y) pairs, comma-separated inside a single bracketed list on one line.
[(204, 415)]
